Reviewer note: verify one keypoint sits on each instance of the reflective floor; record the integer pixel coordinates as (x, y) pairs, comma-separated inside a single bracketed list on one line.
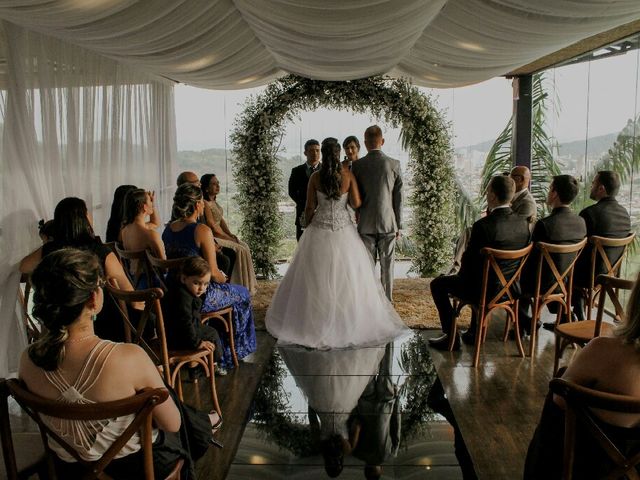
[(317, 411)]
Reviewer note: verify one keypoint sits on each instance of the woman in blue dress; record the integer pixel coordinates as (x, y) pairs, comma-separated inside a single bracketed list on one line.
[(185, 237)]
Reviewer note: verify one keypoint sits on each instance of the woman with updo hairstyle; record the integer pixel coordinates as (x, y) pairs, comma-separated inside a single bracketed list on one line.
[(139, 234), (330, 296), (243, 272), (72, 228), (117, 212), (71, 364), (351, 146), (185, 237)]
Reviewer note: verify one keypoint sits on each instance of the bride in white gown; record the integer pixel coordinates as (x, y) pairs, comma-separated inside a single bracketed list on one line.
[(330, 296)]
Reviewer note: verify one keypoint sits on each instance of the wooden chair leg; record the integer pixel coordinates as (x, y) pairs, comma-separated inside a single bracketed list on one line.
[(232, 342), (479, 339), (212, 384), (558, 354), (535, 315), (517, 329), (178, 384)]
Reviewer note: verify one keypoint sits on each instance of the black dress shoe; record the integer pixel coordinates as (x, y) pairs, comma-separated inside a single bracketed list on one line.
[(442, 342), (551, 326), (469, 337)]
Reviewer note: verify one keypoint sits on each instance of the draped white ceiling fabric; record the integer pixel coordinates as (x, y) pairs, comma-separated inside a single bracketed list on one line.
[(232, 44)]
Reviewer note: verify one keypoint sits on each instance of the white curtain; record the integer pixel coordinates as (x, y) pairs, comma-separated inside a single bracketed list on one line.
[(74, 124), (246, 43)]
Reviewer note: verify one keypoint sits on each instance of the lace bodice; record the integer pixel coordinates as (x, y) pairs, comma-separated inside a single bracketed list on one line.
[(332, 214)]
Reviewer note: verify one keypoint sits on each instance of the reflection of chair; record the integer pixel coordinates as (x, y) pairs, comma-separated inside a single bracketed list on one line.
[(599, 248), (137, 258), (581, 332), (31, 327), (580, 401), (161, 267), (502, 300), (559, 291), (139, 405), (170, 361)]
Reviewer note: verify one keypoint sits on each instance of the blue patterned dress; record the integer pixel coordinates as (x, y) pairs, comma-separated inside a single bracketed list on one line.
[(218, 295)]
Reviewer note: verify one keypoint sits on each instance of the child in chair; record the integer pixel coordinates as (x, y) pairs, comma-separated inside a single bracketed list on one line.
[(181, 308)]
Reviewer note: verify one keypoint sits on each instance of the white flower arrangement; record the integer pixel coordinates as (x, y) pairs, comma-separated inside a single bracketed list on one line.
[(425, 134)]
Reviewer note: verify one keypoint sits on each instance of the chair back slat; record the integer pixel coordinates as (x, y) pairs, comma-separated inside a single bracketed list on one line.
[(160, 267), (561, 280), (139, 405), (491, 265), (610, 286), (580, 402), (128, 256)]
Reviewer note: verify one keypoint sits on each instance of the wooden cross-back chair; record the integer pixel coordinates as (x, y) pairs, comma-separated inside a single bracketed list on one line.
[(31, 327), (160, 268), (171, 361), (581, 332), (580, 401), (139, 405), (559, 291), (502, 300), (599, 246), (127, 257)]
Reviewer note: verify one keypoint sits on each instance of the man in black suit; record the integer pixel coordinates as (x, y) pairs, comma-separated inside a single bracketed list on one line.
[(607, 218), (500, 229), (561, 227), (299, 180)]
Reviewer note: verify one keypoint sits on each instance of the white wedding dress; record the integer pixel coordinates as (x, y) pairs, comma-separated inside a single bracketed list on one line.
[(330, 296)]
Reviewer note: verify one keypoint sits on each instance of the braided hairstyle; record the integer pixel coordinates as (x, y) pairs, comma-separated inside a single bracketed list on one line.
[(63, 282), (185, 201), (330, 171)]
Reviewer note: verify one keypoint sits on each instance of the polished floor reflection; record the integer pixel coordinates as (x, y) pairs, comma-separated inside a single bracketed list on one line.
[(341, 411)]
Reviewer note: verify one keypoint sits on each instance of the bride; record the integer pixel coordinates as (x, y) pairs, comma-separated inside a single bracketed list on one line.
[(330, 297)]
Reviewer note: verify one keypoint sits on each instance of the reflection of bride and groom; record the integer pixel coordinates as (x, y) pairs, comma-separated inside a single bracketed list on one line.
[(353, 403), (330, 296)]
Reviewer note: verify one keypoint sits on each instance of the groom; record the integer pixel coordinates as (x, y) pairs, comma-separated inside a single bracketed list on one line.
[(380, 181)]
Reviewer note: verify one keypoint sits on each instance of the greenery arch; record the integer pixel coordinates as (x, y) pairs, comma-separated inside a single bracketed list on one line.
[(425, 134)]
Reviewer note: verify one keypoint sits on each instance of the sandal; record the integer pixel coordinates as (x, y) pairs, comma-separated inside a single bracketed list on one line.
[(215, 426)]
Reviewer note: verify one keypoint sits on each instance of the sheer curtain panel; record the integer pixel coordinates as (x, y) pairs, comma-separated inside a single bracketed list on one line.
[(74, 124)]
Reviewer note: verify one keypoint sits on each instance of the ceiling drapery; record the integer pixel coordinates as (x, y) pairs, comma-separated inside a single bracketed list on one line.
[(231, 44)]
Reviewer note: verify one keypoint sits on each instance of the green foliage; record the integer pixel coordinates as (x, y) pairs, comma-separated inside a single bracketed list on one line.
[(425, 135)]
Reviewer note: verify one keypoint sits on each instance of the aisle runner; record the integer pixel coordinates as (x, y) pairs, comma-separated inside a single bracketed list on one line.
[(412, 301)]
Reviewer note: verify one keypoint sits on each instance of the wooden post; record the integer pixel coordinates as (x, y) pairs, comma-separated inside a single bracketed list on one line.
[(522, 121)]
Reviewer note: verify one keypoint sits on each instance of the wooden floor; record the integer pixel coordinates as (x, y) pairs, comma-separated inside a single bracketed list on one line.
[(497, 405)]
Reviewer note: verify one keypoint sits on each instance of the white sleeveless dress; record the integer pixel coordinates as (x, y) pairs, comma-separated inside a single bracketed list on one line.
[(330, 296)]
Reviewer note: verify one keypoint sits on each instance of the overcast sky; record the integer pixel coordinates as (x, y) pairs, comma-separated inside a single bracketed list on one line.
[(606, 89)]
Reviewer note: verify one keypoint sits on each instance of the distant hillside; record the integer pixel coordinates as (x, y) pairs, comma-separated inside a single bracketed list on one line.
[(597, 146)]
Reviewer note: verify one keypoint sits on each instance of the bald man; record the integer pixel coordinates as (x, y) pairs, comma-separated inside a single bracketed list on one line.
[(523, 203)]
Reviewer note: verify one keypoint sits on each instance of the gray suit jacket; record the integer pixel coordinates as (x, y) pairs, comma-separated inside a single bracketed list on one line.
[(380, 181), (525, 206)]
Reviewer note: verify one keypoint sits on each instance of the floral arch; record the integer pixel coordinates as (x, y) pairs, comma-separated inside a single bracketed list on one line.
[(425, 134)]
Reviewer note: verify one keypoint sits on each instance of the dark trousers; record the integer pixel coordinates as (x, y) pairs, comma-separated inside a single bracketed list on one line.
[(226, 259), (441, 288)]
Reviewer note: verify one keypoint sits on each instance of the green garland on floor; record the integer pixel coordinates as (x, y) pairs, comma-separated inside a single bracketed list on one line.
[(425, 134)]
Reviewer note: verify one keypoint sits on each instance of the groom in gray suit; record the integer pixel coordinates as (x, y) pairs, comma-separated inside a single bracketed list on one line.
[(380, 181)]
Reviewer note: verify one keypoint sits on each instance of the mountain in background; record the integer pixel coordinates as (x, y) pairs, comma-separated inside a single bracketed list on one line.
[(597, 146)]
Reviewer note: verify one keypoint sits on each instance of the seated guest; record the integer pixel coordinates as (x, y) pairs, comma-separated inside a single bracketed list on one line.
[(500, 229), (139, 234), (226, 257), (242, 273), (607, 364), (561, 227), (523, 203), (607, 218), (185, 237), (72, 228), (71, 364), (117, 212), (45, 230), (181, 307)]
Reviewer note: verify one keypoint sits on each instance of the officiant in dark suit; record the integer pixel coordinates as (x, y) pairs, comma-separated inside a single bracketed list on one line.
[(500, 229), (299, 180)]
